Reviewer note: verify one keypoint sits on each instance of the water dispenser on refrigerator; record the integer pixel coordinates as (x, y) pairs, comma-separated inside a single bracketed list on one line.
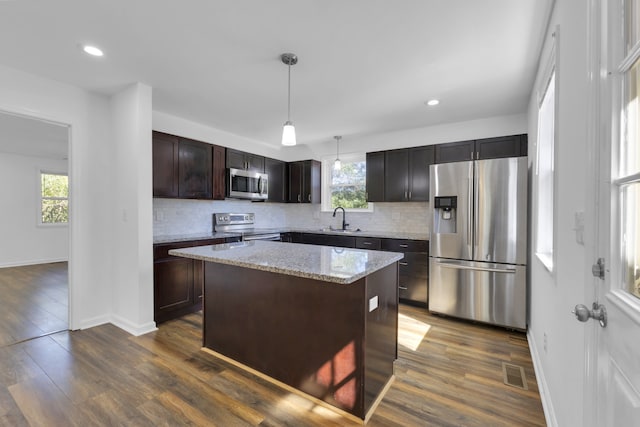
[(445, 214)]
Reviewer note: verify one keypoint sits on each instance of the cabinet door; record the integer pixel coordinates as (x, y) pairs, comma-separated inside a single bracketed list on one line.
[(235, 159), (454, 151), (419, 160), (495, 148), (173, 284), (194, 169), (375, 177), (165, 165), (277, 172), (254, 162), (311, 181), (329, 240), (413, 282), (396, 175), (371, 243), (295, 182), (219, 172)]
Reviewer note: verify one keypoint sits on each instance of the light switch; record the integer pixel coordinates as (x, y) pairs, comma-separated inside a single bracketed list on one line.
[(373, 303)]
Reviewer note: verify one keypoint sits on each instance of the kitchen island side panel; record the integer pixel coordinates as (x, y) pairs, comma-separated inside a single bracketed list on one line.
[(306, 333), (381, 331)]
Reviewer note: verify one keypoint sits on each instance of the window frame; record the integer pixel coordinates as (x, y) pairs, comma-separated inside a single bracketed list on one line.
[(327, 167), (546, 254), (42, 172)]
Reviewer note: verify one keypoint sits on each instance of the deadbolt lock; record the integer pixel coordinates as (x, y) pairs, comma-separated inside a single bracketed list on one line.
[(598, 268)]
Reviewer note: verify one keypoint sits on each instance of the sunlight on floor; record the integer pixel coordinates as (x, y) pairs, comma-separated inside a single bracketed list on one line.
[(298, 404), (411, 332)]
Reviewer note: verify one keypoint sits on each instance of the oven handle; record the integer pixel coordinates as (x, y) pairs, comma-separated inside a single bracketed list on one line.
[(271, 237)]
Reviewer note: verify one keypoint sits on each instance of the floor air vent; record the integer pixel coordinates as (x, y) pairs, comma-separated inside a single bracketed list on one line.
[(514, 376)]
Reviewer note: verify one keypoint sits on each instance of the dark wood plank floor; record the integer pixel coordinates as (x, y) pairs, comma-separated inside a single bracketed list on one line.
[(449, 373), (34, 301)]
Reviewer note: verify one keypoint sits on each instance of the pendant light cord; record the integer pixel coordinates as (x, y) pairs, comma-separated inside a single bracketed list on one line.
[(289, 95)]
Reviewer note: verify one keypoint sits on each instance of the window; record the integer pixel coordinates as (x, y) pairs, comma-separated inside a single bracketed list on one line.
[(545, 172), (628, 172), (346, 187), (54, 198)]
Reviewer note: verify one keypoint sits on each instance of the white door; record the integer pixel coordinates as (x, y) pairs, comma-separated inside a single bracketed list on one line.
[(612, 354)]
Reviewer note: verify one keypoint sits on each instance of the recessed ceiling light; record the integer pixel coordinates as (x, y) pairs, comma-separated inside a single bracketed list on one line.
[(92, 50), (432, 102)]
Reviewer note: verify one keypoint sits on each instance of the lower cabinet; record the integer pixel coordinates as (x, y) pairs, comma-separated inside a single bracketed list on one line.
[(177, 282), (413, 269), (413, 272)]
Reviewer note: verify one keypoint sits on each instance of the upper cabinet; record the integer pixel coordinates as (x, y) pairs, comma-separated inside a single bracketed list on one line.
[(184, 168), (245, 161), (479, 149), (276, 170), (399, 175), (304, 181), (375, 176)]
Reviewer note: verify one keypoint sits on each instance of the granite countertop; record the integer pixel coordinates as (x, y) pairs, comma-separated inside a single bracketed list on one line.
[(325, 263), (364, 233), (174, 238)]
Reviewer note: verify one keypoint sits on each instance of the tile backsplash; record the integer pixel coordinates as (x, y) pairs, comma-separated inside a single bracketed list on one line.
[(179, 216)]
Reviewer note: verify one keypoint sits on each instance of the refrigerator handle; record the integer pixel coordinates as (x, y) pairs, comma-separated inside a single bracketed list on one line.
[(470, 210), (476, 210), (467, 267)]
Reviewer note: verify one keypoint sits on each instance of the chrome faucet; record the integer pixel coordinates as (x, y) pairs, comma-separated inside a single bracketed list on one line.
[(344, 223)]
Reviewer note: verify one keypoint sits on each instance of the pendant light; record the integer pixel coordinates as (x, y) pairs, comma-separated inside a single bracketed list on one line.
[(289, 131), (337, 164)]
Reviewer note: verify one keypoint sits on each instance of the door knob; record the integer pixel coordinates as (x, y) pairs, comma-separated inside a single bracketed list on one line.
[(598, 313)]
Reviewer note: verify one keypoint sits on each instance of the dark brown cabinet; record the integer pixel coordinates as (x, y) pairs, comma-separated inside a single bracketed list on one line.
[(177, 282), (219, 172), (187, 169), (276, 170), (371, 243), (195, 165), (165, 165), (406, 174), (304, 181), (245, 161), (329, 240), (479, 149), (413, 274), (375, 176)]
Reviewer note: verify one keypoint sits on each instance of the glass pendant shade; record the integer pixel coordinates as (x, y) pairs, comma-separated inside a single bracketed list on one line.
[(288, 134), (337, 165)]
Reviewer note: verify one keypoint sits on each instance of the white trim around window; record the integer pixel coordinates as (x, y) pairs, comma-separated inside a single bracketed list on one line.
[(327, 168)]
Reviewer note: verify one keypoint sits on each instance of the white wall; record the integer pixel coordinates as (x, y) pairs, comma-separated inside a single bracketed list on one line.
[(132, 289), (90, 174), (559, 368), (23, 241)]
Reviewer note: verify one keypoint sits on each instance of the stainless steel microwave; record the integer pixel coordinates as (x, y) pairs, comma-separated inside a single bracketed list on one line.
[(244, 184)]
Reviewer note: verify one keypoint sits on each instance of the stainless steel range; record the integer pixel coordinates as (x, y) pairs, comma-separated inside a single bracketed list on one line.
[(242, 223)]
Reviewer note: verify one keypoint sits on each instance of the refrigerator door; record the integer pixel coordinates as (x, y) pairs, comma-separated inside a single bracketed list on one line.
[(484, 292), (452, 230), (501, 211)]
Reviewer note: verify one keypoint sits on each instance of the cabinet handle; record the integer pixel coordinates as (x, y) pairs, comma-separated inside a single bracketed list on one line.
[(402, 245), (402, 288), (366, 243), (409, 195), (403, 263), (309, 197), (471, 154), (405, 194), (299, 198)]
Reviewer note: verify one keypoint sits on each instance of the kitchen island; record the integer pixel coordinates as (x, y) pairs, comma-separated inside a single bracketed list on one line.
[(316, 319)]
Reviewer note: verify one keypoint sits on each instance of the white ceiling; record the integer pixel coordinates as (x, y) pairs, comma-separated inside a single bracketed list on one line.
[(365, 66)]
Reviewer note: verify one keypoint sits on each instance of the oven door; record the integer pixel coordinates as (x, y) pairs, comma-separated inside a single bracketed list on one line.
[(274, 237), (247, 185)]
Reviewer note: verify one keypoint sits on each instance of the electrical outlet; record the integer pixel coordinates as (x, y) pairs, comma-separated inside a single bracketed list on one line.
[(544, 342)]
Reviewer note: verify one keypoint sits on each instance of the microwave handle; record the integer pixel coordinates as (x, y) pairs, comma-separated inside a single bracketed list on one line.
[(262, 184)]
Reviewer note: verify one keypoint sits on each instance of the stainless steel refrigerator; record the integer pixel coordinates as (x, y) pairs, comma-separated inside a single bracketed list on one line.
[(478, 245)]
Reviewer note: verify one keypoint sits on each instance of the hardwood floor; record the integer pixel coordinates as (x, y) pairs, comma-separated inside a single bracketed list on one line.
[(34, 301), (450, 376)]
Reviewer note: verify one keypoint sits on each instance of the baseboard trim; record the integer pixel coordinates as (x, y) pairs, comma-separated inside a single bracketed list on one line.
[(94, 321), (33, 262), (543, 389), (132, 328)]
